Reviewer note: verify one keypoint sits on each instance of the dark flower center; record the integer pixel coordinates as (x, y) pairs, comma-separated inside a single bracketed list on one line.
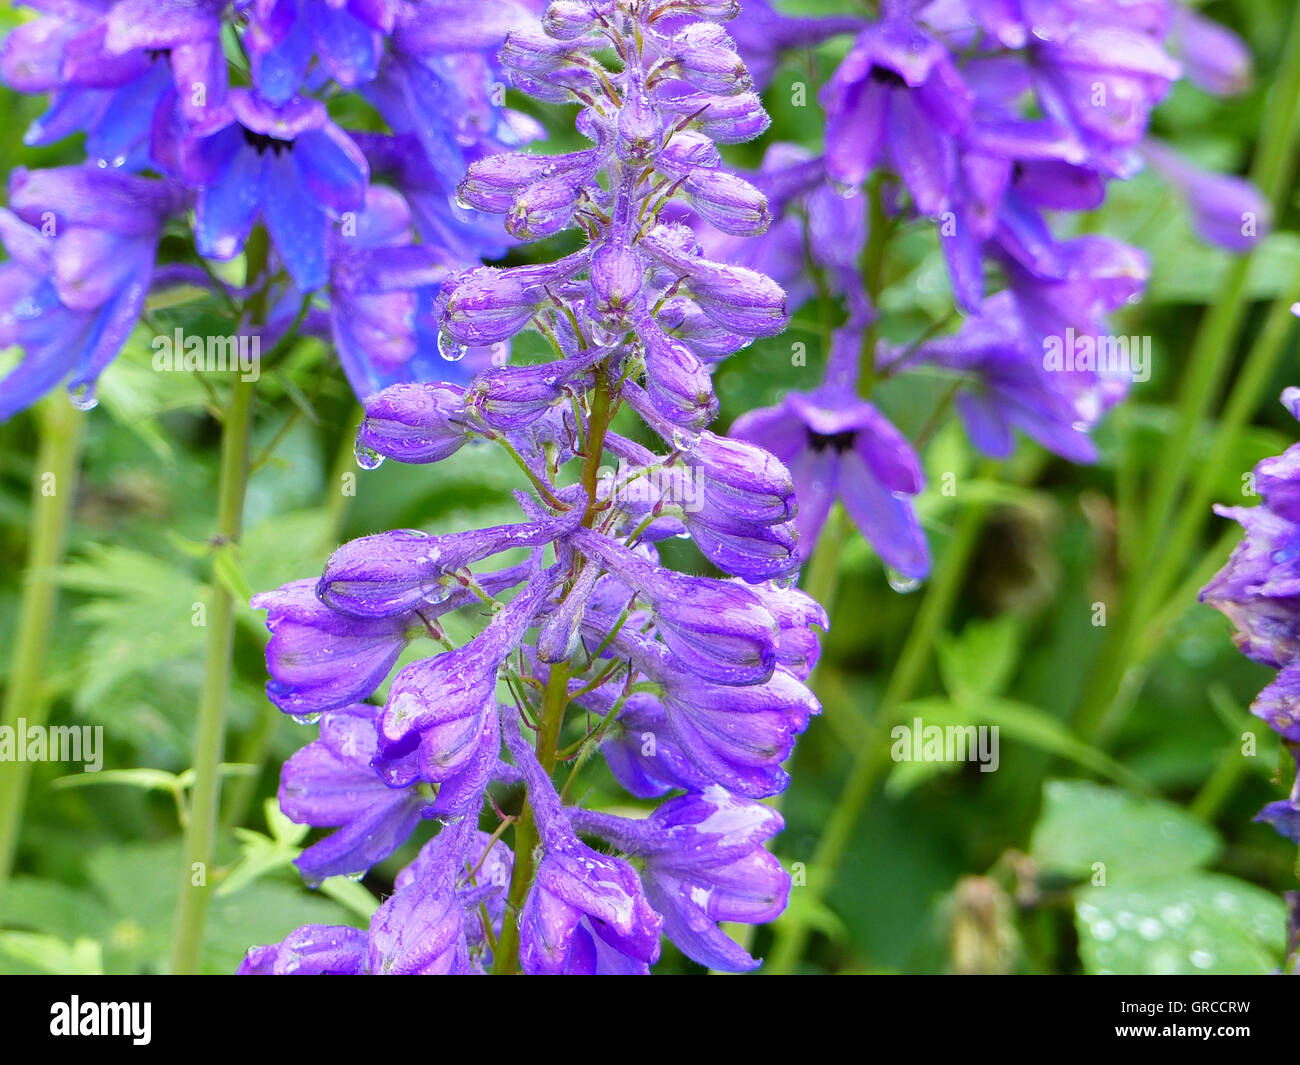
[(838, 442), (885, 76), (261, 142)]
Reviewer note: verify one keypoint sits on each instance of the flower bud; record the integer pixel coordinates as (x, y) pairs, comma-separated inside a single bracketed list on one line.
[(739, 299), (543, 209), (617, 280), (677, 382), (494, 181), (485, 306), (706, 58), (567, 20), (733, 119), (728, 202), (640, 129), (415, 423), (687, 150)]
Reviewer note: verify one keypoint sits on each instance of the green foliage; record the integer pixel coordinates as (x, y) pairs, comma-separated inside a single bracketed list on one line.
[(1191, 885)]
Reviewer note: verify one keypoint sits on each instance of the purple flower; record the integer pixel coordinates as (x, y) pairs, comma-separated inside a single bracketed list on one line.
[(704, 863), (1259, 589), (82, 243), (839, 447), (1007, 386), (415, 423), (312, 950), (1227, 211), (345, 36), (708, 670), (1259, 592), (330, 783), (320, 658), (586, 912), (420, 928), (289, 165), (1212, 55), (441, 704), (897, 95)]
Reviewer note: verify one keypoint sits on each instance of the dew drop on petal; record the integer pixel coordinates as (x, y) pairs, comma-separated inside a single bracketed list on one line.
[(450, 348), (368, 458)]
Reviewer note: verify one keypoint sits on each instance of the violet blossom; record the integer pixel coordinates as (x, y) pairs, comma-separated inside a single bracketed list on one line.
[(683, 682), (150, 86)]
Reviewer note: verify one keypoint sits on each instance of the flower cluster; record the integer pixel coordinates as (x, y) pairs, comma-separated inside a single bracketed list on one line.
[(983, 121), (1259, 592), (686, 684), (203, 118)]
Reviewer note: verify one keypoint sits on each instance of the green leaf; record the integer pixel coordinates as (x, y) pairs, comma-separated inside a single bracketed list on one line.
[(53, 908), (1135, 838), (85, 957), (227, 569), (139, 883), (347, 892), (1194, 923), (149, 779), (982, 660)]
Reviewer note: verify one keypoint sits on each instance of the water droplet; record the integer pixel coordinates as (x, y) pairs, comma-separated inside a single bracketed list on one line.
[(685, 440), (83, 397), (844, 189), (307, 719), (901, 583), (602, 337), (435, 592), (1104, 930), (368, 458), (1202, 959), (450, 348), (459, 201)]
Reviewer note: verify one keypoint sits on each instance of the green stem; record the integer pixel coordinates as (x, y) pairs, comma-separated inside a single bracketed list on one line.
[(822, 578), (1209, 360), (58, 457), (554, 702), (205, 803), (873, 756)]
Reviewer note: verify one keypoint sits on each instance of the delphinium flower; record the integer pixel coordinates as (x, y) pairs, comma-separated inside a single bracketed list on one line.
[(691, 687), (984, 122), (361, 223), (318, 141), (1258, 590)]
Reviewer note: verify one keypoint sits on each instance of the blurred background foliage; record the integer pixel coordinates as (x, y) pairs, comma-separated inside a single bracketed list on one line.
[(949, 869)]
